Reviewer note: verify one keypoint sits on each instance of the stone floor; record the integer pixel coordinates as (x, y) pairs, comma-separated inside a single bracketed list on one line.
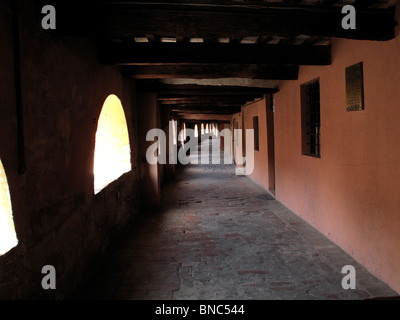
[(220, 236)]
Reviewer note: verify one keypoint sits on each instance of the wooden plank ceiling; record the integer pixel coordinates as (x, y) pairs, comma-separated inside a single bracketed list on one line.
[(207, 58)]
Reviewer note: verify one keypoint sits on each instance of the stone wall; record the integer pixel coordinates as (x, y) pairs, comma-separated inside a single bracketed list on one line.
[(58, 219)]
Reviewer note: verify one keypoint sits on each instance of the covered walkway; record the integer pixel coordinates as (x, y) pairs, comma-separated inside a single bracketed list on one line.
[(220, 236)]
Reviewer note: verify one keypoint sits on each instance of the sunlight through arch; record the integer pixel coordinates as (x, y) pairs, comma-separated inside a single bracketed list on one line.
[(112, 156), (8, 236)]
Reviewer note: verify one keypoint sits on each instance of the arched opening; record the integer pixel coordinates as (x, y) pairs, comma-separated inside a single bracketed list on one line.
[(112, 155), (174, 129), (182, 134), (8, 236)]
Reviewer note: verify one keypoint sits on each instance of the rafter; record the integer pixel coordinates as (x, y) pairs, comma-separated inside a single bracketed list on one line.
[(213, 71), (209, 110), (185, 90), (219, 101), (205, 117), (189, 53)]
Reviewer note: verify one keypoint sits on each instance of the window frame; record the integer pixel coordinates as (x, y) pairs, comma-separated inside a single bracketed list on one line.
[(310, 93)]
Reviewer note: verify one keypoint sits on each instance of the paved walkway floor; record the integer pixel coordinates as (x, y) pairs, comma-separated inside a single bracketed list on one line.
[(220, 236)]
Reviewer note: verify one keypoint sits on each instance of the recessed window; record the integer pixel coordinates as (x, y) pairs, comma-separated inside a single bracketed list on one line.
[(355, 87), (112, 156), (256, 136), (310, 119), (8, 236)]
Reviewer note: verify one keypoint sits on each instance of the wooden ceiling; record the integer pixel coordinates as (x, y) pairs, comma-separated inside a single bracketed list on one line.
[(157, 42)]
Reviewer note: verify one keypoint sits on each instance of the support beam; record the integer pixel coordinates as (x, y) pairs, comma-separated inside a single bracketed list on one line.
[(207, 100), (227, 110), (213, 71), (168, 90), (206, 19), (205, 117), (194, 53), (185, 106)]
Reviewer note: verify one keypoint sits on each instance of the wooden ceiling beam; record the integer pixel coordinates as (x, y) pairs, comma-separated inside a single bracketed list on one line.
[(168, 90), (213, 71), (204, 105), (328, 2), (121, 20), (211, 98), (204, 117), (204, 100), (230, 110), (212, 53)]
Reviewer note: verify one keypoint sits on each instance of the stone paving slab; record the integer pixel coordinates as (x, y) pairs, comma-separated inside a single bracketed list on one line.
[(217, 238)]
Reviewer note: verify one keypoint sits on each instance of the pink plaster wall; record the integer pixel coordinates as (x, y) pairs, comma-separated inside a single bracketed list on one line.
[(260, 173), (350, 194), (263, 172)]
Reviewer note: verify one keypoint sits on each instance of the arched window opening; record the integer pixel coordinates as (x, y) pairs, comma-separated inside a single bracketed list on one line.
[(8, 236), (112, 155), (174, 129), (182, 134), (196, 131)]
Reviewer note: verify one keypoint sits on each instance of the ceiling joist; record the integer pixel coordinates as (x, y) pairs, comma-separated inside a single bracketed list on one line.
[(199, 90), (194, 53), (205, 117), (213, 71)]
